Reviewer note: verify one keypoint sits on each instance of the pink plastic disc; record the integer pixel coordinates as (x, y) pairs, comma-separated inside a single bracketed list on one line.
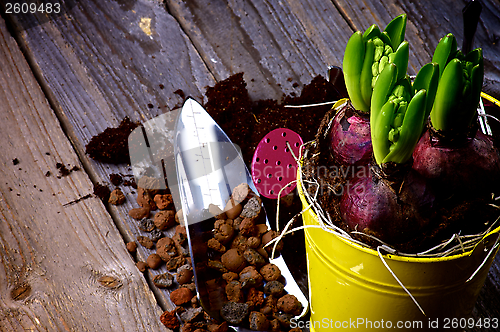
[(273, 165)]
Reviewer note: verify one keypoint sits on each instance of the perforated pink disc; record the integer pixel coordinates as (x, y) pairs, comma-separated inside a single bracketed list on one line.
[(273, 165)]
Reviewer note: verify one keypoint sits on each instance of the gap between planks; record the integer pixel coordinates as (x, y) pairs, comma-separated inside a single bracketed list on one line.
[(44, 279)]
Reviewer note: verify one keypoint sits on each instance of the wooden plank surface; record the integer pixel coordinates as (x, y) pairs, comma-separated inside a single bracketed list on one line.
[(63, 263), (276, 44), (275, 41), (103, 60)]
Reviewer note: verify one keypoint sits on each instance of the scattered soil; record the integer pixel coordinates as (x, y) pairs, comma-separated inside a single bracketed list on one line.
[(163, 280), (102, 191), (64, 171), (169, 319), (111, 146), (115, 179), (130, 183), (132, 246), (117, 197)]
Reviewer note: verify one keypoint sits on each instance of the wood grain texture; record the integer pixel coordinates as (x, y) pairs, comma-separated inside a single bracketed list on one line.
[(277, 44), (488, 303), (103, 60), (280, 43), (57, 241)]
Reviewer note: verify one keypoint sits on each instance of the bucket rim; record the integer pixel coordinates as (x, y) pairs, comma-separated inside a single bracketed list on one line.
[(373, 252)]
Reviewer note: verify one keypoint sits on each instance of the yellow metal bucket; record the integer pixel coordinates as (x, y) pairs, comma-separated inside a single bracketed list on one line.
[(350, 288)]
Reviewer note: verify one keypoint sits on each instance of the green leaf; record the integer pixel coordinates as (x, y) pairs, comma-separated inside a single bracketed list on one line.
[(428, 78), (386, 39), (396, 30), (370, 33), (353, 63), (446, 48), (475, 56), (410, 131), (382, 89), (401, 56), (472, 100), (365, 83), (380, 129)]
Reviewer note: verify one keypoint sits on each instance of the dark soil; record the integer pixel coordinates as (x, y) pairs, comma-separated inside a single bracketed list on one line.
[(115, 179), (63, 170), (102, 191), (111, 146)]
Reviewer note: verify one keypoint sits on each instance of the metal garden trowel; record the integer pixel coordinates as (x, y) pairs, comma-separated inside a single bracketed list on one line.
[(209, 166)]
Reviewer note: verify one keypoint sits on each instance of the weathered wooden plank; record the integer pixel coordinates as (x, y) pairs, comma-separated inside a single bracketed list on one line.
[(277, 44), (57, 242), (275, 41), (103, 60), (488, 303)]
